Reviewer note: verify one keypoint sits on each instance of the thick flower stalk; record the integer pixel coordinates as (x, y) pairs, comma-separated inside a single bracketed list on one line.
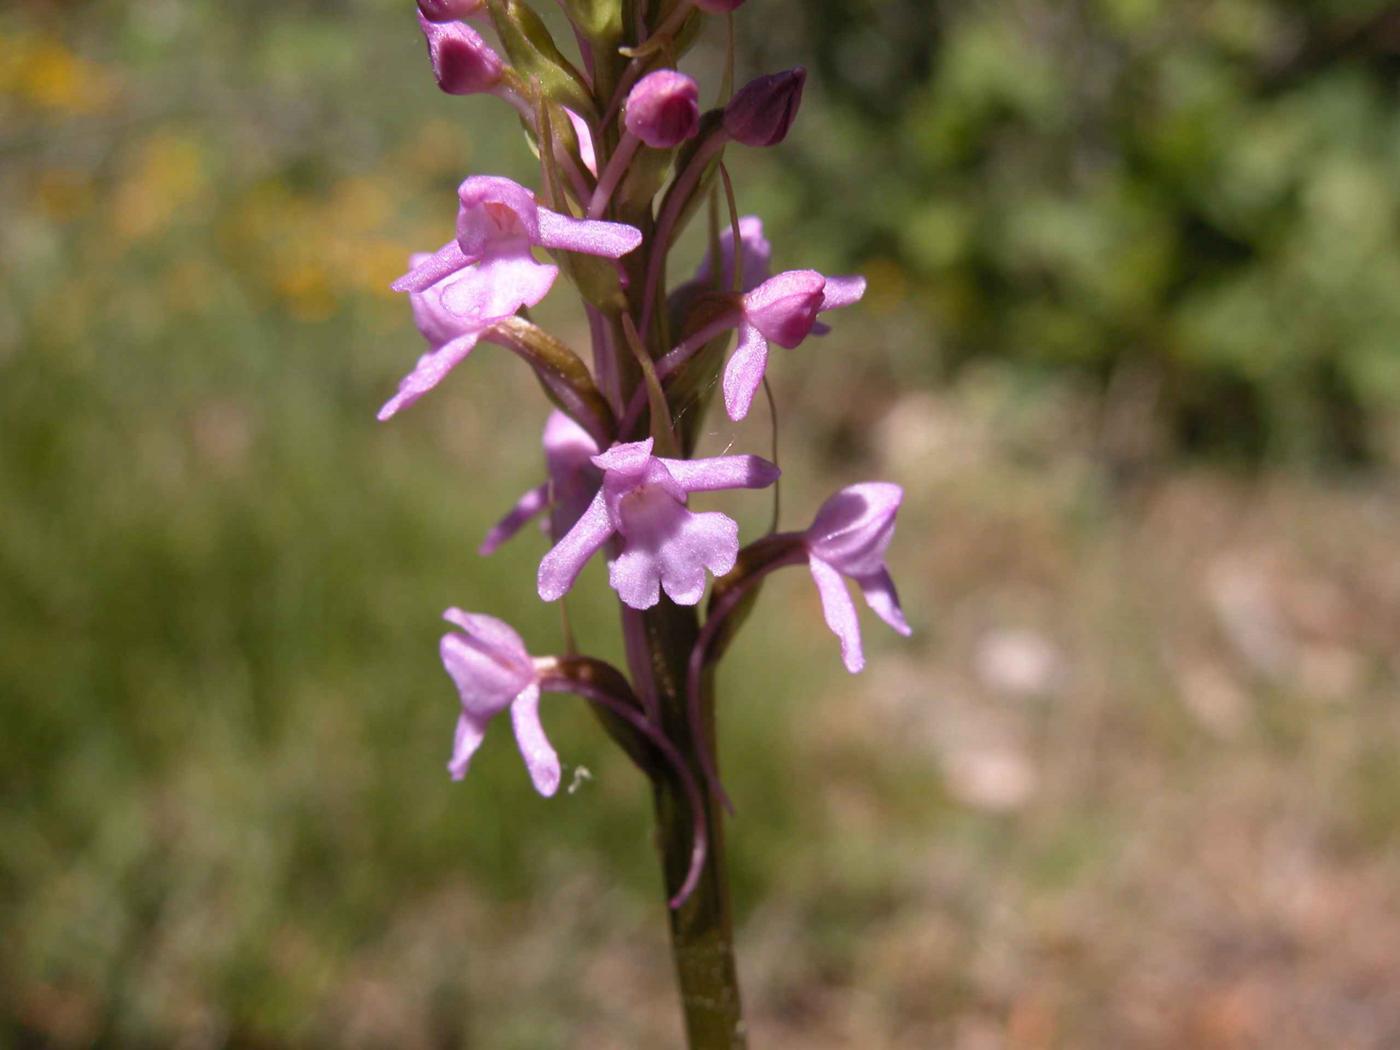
[(627, 160)]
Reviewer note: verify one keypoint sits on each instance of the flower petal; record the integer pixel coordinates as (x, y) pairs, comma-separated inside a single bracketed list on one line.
[(430, 370), (426, 270), (528, 506), (586, 152), (754, 255), (785, 307), (853, 528), (470, 732), (561, 566), (540, 757), (485, 683), (722, 472), (635, 575), (840, 612), (630, 457), (842, 291), (744, 373), (589, 236), (883, 599), (707, 541), (503, 639), (566, 443), (672, 549), (493, 208), (568, 450)]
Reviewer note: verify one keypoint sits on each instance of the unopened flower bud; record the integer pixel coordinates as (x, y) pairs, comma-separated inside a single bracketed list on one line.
[(463, 63), (449, 10), (663, 109), (763, 109)]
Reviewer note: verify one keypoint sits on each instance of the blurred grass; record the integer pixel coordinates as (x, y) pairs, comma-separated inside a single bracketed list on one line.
[(1137, 756)]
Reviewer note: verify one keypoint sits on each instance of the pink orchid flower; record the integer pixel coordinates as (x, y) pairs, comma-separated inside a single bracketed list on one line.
[(664, 545)]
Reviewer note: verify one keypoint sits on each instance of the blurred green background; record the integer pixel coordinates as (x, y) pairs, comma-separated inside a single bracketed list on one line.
[(1132, 345)]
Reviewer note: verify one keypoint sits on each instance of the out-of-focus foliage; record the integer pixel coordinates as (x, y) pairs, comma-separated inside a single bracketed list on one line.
[(1204, 195)]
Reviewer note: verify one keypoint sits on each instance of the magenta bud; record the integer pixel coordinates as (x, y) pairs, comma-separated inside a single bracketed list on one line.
[(449, 10), (463, 63), (763, 109), (663, 109)]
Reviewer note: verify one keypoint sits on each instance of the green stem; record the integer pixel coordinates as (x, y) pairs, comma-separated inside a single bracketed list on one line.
[(702, 929)]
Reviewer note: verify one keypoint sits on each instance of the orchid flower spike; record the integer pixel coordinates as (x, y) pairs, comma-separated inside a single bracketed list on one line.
[(463, 63), (573, 480), (848, 539), (663, 544), (499, 219), (493, 671)]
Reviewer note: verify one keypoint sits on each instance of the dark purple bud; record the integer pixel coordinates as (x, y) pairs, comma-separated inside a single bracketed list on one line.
[(763, 109), (663, 109), (717, 7), (463, 63), (449, 10)]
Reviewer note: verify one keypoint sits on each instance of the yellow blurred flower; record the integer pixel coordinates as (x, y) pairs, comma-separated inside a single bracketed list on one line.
[(306, 289), (377, 262), (41, 71), (362, 202), (165, 174)]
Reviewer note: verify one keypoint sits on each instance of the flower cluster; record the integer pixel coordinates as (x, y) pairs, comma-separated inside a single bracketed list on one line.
[(627, 159)]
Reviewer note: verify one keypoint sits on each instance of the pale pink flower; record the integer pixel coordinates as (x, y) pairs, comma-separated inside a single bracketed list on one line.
[(847, 540), (493, 671), (663, 544)]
